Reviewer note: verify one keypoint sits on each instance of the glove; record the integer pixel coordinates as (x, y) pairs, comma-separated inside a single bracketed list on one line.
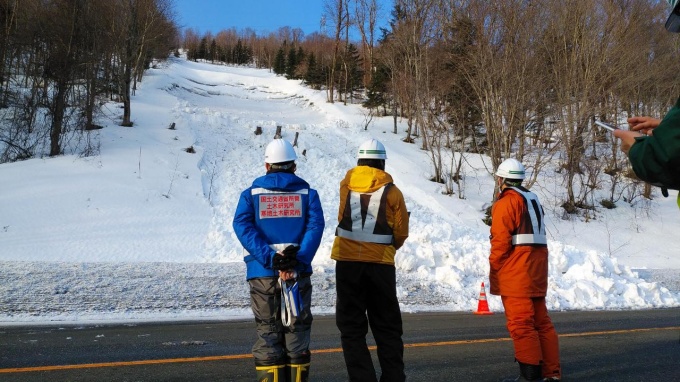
[(287, 259), (291, 250), (282, 263)]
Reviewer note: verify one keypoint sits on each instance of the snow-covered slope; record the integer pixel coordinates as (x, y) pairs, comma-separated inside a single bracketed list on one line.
[(143, 229)]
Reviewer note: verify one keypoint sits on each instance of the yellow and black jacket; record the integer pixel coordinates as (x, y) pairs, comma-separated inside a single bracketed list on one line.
[(372, 218)]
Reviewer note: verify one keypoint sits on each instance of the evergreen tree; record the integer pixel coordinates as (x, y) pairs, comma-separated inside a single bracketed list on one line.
[(280, 62), (377, 89), (291, 63), (224, 54), (355, 73), (212, 54), (247, 55), (398, 14), (242, 54), (231, 54), (239, 53), (300, 55), (203, 49), (314, 76), (192, 54)]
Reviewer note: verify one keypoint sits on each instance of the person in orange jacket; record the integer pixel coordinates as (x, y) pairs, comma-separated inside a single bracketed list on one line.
[(519, 274), (372, 226)]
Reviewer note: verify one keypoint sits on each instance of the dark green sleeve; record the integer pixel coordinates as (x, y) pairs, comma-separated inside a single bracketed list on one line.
[(656, 158)]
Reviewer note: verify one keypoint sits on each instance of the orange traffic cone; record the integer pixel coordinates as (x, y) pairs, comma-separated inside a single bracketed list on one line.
[(482, 305)]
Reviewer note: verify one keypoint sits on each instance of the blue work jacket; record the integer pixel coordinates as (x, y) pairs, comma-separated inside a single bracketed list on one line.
[(277, 210)]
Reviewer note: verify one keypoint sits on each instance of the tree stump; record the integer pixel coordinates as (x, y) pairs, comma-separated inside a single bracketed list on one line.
[(296, 137), (258, 130), (278, 133)]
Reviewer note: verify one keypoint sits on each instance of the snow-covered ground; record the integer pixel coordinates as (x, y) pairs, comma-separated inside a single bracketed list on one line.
[(142, 231)]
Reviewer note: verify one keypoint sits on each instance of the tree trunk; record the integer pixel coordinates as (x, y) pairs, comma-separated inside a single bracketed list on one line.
[(125, 97), (91, 96), (56, 126)]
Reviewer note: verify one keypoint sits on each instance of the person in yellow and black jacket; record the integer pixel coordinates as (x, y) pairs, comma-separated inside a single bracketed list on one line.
[(519, 274), (373, 225)]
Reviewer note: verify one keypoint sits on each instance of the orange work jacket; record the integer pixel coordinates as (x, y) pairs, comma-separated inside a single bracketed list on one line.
[(518, 269)]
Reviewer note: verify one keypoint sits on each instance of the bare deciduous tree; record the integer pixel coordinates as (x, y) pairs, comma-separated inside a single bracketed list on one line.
[(336, 10), (366, 18)]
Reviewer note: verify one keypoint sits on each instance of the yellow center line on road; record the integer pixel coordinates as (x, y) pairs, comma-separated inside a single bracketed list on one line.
[(318, 351), (124, 363), (624, 331)]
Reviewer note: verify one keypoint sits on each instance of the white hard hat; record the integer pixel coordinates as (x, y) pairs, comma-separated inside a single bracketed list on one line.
[(279, 151), (372, 149), (511, 169)]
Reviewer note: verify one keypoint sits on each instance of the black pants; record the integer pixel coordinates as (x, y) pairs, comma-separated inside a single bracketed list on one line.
[(367, 295), (277, 344)]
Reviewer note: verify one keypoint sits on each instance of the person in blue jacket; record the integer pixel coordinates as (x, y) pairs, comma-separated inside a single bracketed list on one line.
[(279, 221)]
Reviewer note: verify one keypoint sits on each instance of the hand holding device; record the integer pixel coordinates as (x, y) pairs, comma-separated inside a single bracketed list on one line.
[(645, 125), (606, 125)]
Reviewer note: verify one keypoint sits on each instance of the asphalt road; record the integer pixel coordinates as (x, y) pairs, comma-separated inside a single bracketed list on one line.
[(595, 346)]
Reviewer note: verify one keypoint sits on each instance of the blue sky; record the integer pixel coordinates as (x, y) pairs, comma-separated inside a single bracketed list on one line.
[(261, 15)]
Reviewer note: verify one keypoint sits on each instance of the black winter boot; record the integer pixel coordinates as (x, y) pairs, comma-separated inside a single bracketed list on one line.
[(530, 372), (527, 373)]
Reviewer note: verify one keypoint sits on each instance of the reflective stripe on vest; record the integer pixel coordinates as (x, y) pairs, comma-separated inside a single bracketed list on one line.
[(260, 190), (364, 218), (281, 246), (529, 238), (276, 247), (535, 213)]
